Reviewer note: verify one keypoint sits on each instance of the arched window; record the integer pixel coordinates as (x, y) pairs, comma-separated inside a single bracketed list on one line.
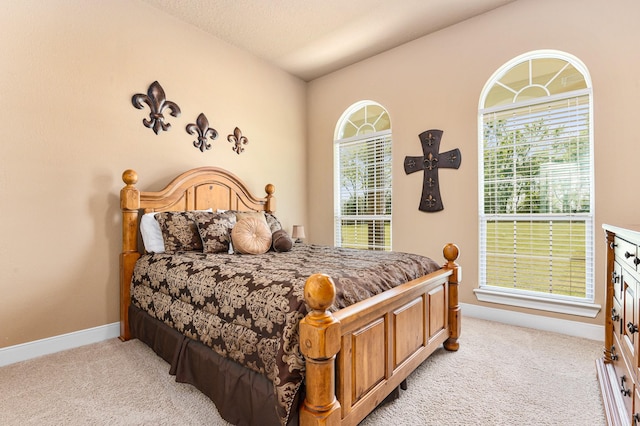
[(362, 178), (536, 185)]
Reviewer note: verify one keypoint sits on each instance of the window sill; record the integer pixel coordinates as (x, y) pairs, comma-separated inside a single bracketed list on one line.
[(502, 297)]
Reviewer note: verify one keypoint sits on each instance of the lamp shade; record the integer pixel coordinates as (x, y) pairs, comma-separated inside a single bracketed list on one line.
[(298, 232)]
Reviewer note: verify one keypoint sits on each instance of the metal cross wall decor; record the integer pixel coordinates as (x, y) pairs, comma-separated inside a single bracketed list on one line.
[(430, 162)]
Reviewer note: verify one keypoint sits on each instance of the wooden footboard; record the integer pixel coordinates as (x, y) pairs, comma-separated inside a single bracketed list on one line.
[(358, 355)]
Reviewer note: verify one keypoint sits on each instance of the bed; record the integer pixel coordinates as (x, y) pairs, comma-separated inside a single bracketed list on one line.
[(315, 348)]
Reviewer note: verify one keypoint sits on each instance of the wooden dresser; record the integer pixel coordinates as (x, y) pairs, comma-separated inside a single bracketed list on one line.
[(619, 368)]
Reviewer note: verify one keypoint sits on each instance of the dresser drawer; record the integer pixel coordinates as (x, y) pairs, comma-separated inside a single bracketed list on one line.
[(624, 379), (626, 252)]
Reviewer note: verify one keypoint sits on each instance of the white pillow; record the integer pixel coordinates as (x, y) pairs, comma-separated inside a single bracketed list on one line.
[(151, 233)]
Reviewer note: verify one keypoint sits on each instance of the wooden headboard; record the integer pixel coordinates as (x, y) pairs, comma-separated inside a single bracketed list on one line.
[(196, 189)]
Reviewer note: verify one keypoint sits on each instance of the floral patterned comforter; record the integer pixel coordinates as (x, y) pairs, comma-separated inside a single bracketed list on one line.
[(247, 307)]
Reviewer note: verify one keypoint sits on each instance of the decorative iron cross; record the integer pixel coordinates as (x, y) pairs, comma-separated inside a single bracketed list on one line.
[(430, 162)]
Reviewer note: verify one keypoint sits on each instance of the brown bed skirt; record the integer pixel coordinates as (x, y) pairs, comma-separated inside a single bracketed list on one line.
[(242, 396)]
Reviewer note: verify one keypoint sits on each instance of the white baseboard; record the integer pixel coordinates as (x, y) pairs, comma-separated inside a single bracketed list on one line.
[(538, 322), (76, 339), (54, 344)]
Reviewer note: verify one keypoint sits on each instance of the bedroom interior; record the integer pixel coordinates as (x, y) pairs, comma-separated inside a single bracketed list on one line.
[(64, 152)]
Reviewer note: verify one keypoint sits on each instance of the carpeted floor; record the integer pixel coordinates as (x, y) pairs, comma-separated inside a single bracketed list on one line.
[(502, 375)]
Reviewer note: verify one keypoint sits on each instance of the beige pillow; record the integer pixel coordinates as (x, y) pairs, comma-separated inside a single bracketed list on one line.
[(245, 214), (251, 235)]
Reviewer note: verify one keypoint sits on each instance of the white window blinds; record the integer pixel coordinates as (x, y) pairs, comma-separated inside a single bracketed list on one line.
[(536, 197), (363, 190)]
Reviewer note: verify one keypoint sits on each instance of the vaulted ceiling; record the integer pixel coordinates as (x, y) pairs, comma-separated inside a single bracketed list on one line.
[(311, 38)]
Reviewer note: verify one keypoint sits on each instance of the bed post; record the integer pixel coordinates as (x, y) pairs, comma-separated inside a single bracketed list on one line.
[(451, 252), (319, 343), (129, 204), (270, 204)]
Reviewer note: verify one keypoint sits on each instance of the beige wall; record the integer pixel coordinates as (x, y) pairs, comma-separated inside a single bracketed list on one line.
[(435, 82), (68, 69)]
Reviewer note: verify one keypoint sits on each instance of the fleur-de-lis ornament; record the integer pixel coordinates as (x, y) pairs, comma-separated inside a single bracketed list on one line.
[(430, 201), (202, 129), (238, 140), (430, 162), (157, 102)]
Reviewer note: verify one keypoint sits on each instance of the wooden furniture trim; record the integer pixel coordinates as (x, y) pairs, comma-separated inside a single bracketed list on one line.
[(324, 337), (618, 359)]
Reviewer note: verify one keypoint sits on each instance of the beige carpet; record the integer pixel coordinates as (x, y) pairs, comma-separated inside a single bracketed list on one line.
[(502, 375)]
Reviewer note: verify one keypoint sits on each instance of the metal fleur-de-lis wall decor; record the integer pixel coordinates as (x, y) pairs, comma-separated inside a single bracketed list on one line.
[(238, 140), (157, 102), (202, 129)]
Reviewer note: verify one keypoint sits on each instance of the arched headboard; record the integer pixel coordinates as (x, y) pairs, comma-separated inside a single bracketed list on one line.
[(196, 189)]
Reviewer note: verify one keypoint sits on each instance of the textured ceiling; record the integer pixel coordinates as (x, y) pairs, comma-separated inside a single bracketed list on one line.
[(310, 38)]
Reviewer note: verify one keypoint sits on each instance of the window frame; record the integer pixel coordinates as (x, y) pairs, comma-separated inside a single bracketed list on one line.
[(518, 297), (373, 131)]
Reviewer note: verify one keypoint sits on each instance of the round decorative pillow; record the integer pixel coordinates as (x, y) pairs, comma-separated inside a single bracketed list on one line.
[(251, 236), (281, 241)]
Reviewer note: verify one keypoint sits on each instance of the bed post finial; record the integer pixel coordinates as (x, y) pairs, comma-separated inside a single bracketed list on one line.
[(319, 343), (451, 252), (130, 177), (270, 189)]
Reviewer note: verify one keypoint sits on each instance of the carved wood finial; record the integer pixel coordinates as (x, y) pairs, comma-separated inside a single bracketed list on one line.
[(129, 194), (130, 177), (270, 206), (319, 292), (451, 252), (270, 189)]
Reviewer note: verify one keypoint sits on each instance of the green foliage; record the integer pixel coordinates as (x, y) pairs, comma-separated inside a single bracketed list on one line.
[(513, 159), (365, 178), (365, 185), (511, 166)]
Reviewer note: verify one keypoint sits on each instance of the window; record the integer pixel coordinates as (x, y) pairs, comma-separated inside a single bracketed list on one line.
[(536, 185), (362, 178)]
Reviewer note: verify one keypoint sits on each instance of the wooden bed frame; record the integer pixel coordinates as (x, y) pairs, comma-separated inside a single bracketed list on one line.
[(356, 356)]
